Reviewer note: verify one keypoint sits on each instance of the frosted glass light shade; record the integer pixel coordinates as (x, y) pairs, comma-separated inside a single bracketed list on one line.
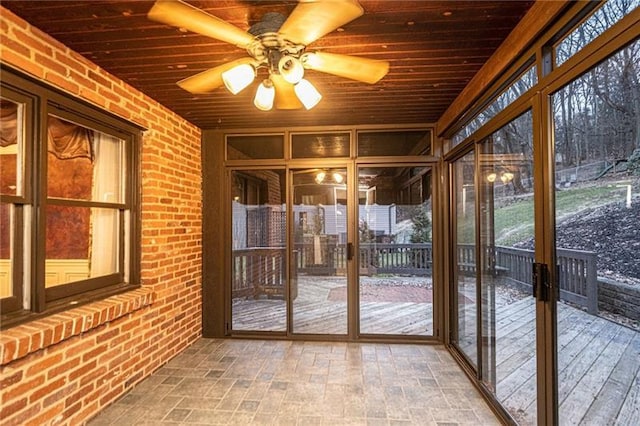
[(291, 69), (265, 95), (307, 93), (237, 78)]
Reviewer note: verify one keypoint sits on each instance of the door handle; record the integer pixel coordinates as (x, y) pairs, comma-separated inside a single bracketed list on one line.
[(540, 281), (349, 251)]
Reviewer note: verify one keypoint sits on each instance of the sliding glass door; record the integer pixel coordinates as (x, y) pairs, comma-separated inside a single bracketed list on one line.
[(506, 242), (311, 279), (545, 226), (597, 243), (321, 249), (258, 252), (330, 238), (296, 269), (493, 252), (395, 285), (465, 287)]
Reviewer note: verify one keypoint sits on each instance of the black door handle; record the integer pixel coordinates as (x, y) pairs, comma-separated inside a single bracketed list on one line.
[(349, 251)]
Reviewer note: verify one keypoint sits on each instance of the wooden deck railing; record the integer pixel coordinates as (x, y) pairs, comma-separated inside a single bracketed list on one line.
[(261, 271), (375, 258), (407, 259), (577, 271), (578, 278)]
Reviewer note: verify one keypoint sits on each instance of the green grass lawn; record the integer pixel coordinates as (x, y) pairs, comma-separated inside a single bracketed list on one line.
[(514, 222)]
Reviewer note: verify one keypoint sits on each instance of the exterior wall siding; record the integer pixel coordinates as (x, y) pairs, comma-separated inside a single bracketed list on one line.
[(65, 368)]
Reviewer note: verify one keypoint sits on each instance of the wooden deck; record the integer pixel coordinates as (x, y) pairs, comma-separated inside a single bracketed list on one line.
[(315, 313), (598, 361), (598, 366)]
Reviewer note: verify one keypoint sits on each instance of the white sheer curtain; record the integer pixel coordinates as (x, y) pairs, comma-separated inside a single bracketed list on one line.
[(107, 188)]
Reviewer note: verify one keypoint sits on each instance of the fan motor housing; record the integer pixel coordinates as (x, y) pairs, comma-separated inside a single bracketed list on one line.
[(269, 47), (270, 23)]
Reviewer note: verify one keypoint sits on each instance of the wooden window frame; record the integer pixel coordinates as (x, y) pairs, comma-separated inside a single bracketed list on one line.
[(20, 202), (30, 230)]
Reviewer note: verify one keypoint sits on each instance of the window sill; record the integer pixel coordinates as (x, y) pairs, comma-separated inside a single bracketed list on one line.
[(21, 340)]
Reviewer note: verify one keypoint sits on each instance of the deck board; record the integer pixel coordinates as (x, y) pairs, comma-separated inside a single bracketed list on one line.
[(586, 348), (609, 401), (516, 366), (396, 318), (594, 376), (630, 411)]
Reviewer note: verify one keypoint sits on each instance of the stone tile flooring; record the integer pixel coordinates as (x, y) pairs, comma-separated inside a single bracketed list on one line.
[(267, 382)]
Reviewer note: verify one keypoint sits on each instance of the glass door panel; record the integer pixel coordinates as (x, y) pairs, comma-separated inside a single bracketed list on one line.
[(258, 254), (465, 288), (508, 311), (395, 251), (319, 272), (597, 243)]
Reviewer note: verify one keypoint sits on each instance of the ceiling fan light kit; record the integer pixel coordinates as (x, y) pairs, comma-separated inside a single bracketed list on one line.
[(238, 77), (265, 96), (277, 44), (291, 69), (307, 93)]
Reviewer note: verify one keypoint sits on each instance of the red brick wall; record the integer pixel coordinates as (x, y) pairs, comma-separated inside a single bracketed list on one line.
[(63, 369)]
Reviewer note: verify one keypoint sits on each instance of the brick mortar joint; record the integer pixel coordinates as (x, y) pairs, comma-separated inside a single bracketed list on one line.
[(120, 305)]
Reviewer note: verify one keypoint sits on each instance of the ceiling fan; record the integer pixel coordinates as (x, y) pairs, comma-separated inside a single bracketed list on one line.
[(277, 44)]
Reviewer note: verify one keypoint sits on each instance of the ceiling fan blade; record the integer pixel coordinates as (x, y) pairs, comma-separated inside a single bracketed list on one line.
[(182, 15), (311, 19), (211, 79), (286, 97), (353, 67)]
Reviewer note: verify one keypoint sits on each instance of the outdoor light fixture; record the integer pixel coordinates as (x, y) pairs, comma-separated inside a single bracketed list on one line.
[(322, 175), (265, 96), (506, 177), (238, 77)]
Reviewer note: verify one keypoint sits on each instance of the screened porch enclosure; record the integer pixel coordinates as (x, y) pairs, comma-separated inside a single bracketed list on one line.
[(323, 277)]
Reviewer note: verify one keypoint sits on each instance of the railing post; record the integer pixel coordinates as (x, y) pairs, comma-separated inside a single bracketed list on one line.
[(592, 284)]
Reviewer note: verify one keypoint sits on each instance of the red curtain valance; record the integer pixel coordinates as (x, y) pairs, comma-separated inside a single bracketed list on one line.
[(8, 121), (65, 139), (68, 140)]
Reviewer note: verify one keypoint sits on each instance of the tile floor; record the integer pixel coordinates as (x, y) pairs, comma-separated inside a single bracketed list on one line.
[(266, 382)]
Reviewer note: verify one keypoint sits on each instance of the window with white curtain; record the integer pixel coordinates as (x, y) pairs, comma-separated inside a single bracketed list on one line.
[(68, 199), (85, 206)]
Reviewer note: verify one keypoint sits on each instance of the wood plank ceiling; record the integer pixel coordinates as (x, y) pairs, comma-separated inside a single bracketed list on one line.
[(434, 47)]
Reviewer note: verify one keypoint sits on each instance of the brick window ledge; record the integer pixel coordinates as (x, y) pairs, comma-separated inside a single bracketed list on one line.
[(21, 340)]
